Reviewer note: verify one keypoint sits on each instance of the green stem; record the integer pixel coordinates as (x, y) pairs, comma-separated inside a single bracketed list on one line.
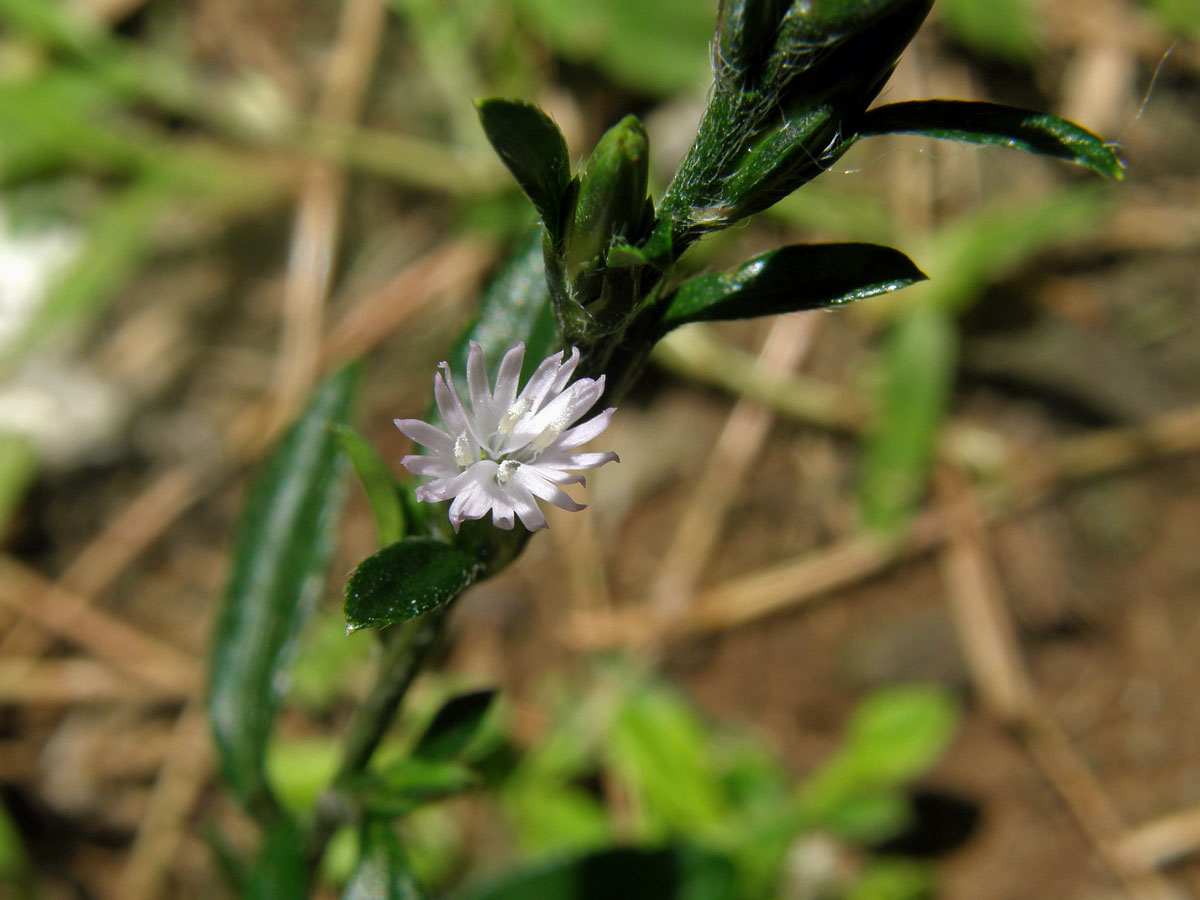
[(404, 655)]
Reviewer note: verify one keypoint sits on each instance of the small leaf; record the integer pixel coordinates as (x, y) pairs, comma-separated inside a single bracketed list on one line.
[(793, 278), (377, 481), (383, 872), (631, 873), (993, 123), (283, 548), (914, 390), (896, 734), (534, 150), (454, 725), (404, 580)]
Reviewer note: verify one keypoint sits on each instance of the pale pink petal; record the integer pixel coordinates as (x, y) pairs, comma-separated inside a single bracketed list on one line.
[(507, 379), (529, 478), (425, 434), (526, 507), (429, 465), (581, 434), (477, 382)]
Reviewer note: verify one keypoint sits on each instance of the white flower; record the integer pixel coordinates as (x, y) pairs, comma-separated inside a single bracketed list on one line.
[(506, 448)]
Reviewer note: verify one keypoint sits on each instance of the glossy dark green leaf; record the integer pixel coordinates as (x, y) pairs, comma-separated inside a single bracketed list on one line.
[(377, 482), (404, 580), (382, 872), (454, 725), (283, 548), (1001, 126), (791, 279), (530, 144), (630, 873), (914, 390), (280, 872)]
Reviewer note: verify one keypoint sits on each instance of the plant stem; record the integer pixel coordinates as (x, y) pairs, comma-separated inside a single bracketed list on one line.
[(404, 655)]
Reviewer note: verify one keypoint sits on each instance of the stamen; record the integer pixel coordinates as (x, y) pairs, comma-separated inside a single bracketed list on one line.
[(462, 450), (506, 470), (515, 413), (551, 432)]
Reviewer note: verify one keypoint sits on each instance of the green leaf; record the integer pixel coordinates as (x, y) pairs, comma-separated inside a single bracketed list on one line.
[(534, 150), (659, 746), (377, 481), (404, 580), (382, 872), (1001, 29), (283, 548), (657, 48), (454, 725), (897, 733), (894, 736), (633, 873), (18, 468), (868, 817), (1001, 126), (914, 391), (280, 872), (894, 879), (790, 279)]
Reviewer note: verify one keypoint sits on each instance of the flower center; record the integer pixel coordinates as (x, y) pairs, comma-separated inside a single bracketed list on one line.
[(506, 470)]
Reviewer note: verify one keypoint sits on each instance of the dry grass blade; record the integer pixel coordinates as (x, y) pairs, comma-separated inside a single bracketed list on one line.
[(1153, 845), (988, 639), (72, 617), (317, 224), (738, 444), (162, 829), (34, 681)]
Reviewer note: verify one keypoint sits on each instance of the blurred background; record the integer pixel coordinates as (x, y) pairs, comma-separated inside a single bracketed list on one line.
[(987, 485)]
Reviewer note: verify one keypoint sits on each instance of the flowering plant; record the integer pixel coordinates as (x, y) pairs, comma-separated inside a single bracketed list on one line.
[(794, 83)]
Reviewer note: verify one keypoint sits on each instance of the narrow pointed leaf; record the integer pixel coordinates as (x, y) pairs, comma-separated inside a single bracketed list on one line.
[(283, 549), (792, 279), (993, 123), (383, 872), (406, 579), (454, 726), (534, 150), (377, 482)]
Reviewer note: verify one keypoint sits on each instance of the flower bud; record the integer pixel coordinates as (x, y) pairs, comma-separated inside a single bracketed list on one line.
[(746, 32), (612, 194)]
